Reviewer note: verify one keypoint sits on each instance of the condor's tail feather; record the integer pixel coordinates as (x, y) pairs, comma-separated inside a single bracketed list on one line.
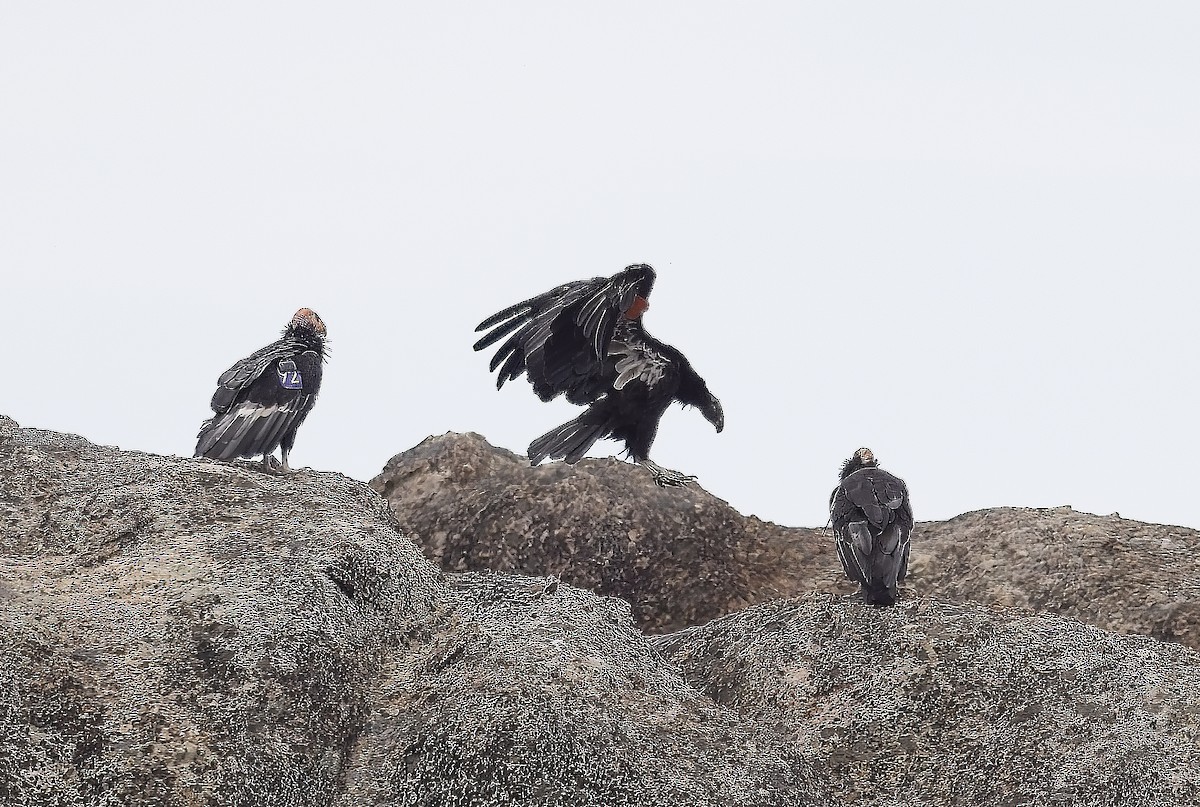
[(246, 431), (877, 560), (571, 440)]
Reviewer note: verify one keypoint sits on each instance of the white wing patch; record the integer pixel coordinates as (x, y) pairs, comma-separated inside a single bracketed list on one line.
[(249, 409), (636, 363)]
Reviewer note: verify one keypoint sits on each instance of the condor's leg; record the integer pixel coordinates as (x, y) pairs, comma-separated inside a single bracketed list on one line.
[(640, 437), (285, 448)]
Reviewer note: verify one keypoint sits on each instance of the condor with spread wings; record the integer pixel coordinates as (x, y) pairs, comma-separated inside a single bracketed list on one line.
[(261, 401), (585, 340), (872, 518)]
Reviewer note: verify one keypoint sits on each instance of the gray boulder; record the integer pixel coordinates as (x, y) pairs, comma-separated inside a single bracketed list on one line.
[(184, 632), (931, 703), (682, 557)]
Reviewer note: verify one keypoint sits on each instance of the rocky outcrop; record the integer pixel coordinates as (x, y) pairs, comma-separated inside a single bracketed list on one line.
[(183, 632), (1122, 575), (682, 557), (935, 703)]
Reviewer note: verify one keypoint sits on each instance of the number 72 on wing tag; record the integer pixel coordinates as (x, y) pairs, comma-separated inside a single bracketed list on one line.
[(289, 376)]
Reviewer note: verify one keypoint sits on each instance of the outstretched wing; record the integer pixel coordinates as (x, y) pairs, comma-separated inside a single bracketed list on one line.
[(561, 339), (241, 375)]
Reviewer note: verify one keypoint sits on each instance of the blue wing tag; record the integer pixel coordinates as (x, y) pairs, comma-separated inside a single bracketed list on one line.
[(289, 376)]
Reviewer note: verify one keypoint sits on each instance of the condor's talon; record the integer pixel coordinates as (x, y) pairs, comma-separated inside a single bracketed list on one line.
[(666, 478), (679, 481), (272, 465)]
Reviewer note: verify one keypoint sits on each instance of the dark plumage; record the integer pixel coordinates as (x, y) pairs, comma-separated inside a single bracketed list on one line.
[(872, 518), (585, 340), (261, 401)]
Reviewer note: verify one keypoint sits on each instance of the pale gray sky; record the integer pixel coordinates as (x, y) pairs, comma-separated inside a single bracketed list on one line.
[(965, 235)]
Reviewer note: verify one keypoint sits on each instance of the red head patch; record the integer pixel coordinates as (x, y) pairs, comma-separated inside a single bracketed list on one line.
[(637, 307)]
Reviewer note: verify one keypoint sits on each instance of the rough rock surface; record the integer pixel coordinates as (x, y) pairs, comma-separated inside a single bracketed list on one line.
[(1121, 575), (183, 632), (682, 557), (935, 703), (186, 632)]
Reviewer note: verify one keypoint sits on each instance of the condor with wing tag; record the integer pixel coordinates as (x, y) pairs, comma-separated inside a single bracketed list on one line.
[(261, 401)]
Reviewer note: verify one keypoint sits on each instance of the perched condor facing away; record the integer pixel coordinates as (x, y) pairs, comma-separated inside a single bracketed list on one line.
[(872, 518), (585, 340), (261, 401)]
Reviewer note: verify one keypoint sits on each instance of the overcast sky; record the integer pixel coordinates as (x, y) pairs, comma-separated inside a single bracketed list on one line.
[(964, 235)]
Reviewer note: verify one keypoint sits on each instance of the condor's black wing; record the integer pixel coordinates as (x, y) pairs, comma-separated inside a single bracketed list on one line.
[(878, 495), (561, 339), (875, 553), (266, 406), (245, 372)]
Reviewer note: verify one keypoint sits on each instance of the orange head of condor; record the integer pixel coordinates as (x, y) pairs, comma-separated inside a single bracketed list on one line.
[(637, 307), (307, 318)]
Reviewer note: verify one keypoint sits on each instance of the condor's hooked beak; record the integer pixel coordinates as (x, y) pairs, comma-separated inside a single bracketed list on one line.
[(714, 414)]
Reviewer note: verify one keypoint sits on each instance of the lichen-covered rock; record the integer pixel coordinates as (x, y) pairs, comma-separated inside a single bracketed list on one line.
[(1122, 575), (682, 557), (539, 693), (185, 632), (930, 703)]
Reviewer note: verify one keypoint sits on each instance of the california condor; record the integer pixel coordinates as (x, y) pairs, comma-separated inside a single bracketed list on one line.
[(261, 401), (872, 520), (585, 340)]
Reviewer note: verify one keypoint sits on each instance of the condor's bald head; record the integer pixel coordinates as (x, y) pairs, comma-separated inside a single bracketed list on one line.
[(307, 319), (863, 458)]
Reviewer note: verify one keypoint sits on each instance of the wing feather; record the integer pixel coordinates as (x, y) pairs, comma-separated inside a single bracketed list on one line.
[(877, 493), (247, 371), (512, 367), (498, 333), (872, 520), (637, 358), (560, 339)]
